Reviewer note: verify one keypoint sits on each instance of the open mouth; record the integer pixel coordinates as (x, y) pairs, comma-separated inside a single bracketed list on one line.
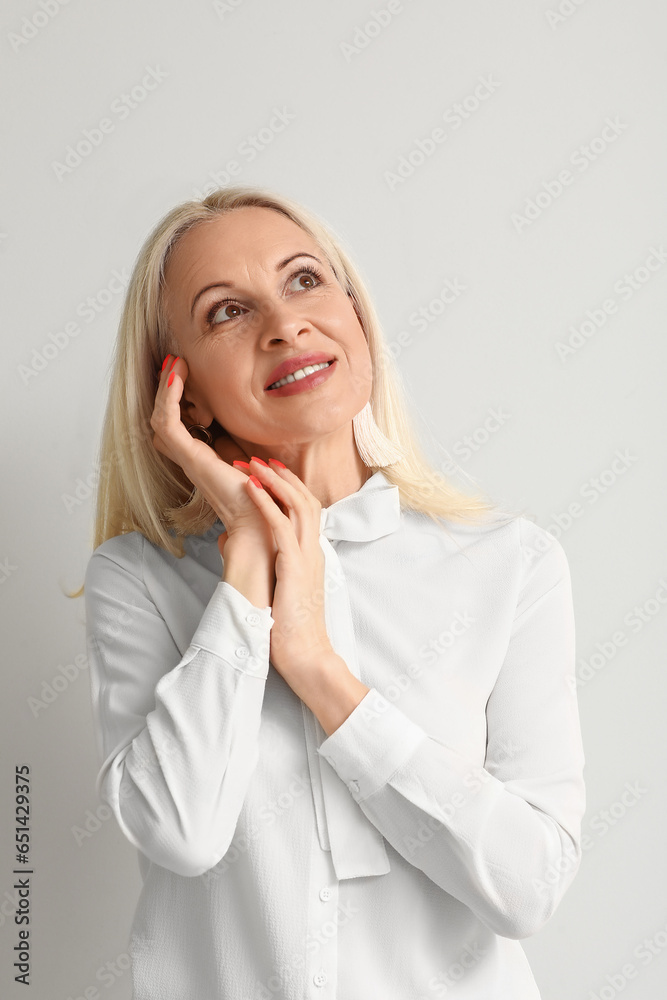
[(305, 375)]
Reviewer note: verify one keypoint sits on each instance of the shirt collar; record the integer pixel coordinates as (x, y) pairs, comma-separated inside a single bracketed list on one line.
[(372, 512)]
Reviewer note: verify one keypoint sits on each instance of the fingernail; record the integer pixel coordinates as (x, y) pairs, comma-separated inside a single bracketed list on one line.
[(244, 465), (278, 463), (174, 361), (253, 458), (164, 363), (255, 481), (171, 378)]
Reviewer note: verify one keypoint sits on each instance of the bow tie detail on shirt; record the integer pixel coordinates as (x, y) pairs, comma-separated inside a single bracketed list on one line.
[(357, 846)]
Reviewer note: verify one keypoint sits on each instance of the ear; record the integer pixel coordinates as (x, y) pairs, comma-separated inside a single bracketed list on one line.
[(194, 411)]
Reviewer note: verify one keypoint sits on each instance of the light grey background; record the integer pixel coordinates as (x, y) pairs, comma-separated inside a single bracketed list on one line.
[(559, 70)]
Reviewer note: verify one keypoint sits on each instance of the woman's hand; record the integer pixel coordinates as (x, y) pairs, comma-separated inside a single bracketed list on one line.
[(299, 639), (208, 467)]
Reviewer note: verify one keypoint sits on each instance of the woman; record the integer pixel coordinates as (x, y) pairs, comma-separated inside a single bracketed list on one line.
[(348, 751)]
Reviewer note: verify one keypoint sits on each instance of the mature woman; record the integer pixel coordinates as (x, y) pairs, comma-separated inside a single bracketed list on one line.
[(334, 696)]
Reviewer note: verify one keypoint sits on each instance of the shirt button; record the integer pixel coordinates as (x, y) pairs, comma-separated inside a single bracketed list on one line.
[(242, 651), (252, 618), (353, 786), (320, 978), (325, 893)]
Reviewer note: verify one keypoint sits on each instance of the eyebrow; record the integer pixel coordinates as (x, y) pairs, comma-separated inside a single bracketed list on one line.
[(227, 284)]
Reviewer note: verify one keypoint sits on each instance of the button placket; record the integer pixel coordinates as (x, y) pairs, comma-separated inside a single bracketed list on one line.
[(322, 951)]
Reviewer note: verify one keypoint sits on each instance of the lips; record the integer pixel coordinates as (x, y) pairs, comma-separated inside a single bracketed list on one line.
[(291, 365)]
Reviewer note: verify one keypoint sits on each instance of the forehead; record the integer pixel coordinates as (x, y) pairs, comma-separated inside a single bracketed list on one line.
[(245, 236)]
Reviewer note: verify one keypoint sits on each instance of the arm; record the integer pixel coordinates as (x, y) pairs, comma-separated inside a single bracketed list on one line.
[(503, 839), (177, 734)]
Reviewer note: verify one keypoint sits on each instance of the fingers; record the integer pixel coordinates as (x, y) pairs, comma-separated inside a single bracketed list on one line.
[(171, 436), (244, 466), (303, 509)]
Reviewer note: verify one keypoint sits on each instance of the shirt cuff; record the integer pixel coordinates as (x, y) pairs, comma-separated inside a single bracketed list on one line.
[(235, 630), (372, 743)]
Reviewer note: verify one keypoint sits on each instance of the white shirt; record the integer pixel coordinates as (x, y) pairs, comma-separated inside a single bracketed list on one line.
[(403, 856)]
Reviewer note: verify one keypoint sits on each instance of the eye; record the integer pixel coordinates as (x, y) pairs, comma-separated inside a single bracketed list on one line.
[(308, 275), (224, 311)]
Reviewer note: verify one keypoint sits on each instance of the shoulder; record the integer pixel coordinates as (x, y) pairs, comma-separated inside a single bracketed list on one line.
[(541, 552), (125, 551), (511, 548)]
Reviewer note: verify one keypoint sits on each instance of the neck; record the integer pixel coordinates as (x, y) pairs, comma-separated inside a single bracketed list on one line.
[(329, 467)]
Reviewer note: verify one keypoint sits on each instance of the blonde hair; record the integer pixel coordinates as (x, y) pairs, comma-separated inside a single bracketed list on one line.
[(138, 488)]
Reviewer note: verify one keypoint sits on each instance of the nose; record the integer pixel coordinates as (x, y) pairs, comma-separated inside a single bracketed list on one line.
[(281, 321)]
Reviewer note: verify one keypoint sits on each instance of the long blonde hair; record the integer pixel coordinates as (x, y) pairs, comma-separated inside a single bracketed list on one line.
[(139, 489)]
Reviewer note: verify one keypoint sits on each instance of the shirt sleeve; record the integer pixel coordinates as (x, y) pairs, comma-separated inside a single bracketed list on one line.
[(178, 735), (505, 838)]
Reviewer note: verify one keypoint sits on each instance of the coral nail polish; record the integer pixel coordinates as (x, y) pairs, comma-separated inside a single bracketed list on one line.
[(174, 361), (278, 463), (170, 379), (243, 465), (255, 481), (164, 363), (253, 458)]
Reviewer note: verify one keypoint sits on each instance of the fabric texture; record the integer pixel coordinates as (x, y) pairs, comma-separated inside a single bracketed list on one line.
[(405, 855)]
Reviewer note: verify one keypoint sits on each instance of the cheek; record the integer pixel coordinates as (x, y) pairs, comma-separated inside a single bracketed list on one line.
[(228, 387)]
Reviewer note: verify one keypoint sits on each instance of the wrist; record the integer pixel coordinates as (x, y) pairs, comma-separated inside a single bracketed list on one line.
[(248, 569)]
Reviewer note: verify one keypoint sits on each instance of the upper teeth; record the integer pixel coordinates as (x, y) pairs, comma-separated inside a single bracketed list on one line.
[(300, 373)]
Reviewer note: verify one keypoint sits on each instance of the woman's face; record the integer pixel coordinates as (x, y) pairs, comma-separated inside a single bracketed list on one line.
[(240, 302)]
